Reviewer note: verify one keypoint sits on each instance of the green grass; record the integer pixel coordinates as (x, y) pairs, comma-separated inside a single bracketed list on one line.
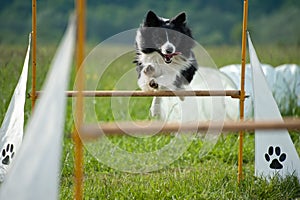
[(213, 176)]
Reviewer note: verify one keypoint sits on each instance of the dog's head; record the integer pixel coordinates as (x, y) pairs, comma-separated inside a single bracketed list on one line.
[(168, 37)]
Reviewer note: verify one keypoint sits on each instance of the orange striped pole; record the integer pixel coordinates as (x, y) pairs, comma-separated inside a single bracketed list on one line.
[(242, 95), (33, 37), (80, 7)]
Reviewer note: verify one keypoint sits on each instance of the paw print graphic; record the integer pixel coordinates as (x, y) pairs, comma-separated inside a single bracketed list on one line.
[(7, 154), (275, 157)]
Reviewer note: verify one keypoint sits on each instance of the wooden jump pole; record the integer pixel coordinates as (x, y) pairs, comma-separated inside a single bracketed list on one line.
[(33, 37), (95, 131), (80, 44), (134, 93), (242, 95)]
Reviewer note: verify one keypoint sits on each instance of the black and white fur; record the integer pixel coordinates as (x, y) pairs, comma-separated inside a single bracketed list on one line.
[(164, 49), (164, 57)]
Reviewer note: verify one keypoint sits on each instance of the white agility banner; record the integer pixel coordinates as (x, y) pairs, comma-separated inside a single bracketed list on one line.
[(36, 168), (11, 131), (275, 153)]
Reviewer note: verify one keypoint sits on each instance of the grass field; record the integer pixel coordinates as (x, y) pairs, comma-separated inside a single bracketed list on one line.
[(213, 176)]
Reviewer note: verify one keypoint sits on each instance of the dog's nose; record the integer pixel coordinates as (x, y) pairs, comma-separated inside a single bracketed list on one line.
[(169, 50)]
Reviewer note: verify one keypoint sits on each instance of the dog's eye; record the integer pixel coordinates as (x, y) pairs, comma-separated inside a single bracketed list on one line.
[(157, 33), (158, 37), (174, 36), (159, 40)]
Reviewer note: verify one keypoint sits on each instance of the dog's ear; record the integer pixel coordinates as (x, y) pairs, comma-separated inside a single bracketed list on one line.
[(179, 19), (152, 20)]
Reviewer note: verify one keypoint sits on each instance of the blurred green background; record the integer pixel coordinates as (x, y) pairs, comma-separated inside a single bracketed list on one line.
[(214, 22)]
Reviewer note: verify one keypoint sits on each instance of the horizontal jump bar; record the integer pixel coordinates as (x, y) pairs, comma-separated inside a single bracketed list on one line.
[(95, 131), (129, 93)]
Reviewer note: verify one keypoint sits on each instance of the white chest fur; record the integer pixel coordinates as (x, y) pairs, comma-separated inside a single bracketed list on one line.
[(164, 74)]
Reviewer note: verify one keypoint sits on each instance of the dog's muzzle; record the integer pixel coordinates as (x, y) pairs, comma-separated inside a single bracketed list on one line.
[(168, 57)]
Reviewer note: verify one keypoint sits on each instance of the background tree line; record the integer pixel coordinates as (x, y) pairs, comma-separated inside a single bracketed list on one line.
[(214, 22)]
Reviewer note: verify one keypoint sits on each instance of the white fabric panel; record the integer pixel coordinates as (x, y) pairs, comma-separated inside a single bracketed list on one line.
[(35, 172), (279, 88), (276, 82), (234, 72), (291, 73), (275, 152), (11, 132)]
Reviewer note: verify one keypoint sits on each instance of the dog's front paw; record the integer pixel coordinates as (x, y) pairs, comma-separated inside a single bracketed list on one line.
[(153, 84), (149, 70)]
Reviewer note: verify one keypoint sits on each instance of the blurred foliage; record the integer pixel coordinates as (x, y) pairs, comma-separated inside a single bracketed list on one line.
[(213, 22)]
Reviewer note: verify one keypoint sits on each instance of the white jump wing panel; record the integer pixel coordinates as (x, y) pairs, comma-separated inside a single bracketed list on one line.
[(275, 152), (11, 132), (35, 172)]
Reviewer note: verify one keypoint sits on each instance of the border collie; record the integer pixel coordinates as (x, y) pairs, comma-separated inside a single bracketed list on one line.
[(164, 53), (164, 57)]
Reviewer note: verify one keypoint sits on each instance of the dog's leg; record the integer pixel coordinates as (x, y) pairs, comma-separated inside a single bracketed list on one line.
[(147, 80), (146, 77), (150, 72), (155, 107)]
